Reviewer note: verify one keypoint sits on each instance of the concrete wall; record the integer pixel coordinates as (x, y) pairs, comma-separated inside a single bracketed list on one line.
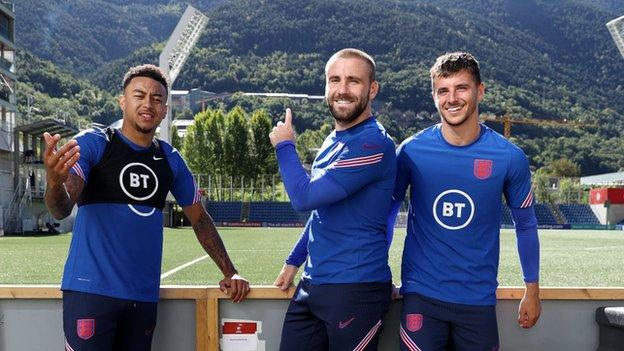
[(31, 319), (37, 325)]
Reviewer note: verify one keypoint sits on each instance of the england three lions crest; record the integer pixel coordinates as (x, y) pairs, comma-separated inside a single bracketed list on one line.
[(482, 168)]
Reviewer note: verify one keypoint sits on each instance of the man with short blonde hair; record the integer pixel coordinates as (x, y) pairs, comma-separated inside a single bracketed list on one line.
[(346, 285)]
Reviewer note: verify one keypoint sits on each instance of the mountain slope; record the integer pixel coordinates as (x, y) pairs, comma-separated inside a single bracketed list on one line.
[(540, 59)]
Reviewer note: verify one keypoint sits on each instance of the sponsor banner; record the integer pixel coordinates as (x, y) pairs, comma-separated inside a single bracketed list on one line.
[(239, 224), (284, 225), (554, 226), (593, 226), (261, 224)]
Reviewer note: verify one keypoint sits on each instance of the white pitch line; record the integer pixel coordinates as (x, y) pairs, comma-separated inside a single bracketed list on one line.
[(168, 273)]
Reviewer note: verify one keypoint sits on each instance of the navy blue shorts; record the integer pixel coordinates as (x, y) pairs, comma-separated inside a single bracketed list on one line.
[(100, 323), (335, 316), (431, 325)]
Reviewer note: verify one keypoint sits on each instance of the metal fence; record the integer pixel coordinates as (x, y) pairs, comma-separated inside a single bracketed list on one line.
[(229, 188)]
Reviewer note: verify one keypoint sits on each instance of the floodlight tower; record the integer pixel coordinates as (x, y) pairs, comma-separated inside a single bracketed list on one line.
[(175, 53), (616, 28)]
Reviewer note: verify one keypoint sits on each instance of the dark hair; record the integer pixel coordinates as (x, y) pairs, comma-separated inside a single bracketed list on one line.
[(452, 63), (354, 53), (149, 71)]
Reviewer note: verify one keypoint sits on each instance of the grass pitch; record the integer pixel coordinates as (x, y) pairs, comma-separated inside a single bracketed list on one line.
[(569, 258)]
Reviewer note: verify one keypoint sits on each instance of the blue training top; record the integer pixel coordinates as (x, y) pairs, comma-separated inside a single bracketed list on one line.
[(346, 236), (116, 249), (451, 251)]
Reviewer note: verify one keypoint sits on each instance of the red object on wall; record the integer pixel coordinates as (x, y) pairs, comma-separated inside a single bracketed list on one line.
[(601, 195), (239, 328)]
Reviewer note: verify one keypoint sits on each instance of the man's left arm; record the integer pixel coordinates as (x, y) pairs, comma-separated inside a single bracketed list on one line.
[(520, 200), (529, 252), (186, 192), (233, 284)]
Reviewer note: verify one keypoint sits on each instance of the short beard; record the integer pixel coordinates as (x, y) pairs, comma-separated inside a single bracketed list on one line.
[(360, 107)]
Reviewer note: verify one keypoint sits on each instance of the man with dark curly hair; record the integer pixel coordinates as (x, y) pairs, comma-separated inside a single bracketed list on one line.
[(120, 178)]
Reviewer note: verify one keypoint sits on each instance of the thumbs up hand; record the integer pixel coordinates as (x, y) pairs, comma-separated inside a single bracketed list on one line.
[(283, 130)]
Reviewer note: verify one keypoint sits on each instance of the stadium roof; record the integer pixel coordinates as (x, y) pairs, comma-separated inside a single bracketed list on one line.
[(616, 178), (51, 125)]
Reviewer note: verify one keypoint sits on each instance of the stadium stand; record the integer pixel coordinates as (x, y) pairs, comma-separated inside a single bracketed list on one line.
[(225, 211), (544, 215), (282, 212), (277, 212), (506, 219), (577, 214)]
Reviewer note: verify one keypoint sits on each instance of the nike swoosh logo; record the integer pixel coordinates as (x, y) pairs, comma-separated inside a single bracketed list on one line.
[(343, 325), (157, 158)]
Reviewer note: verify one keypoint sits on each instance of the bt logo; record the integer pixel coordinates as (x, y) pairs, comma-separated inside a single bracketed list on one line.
[(135, 182), (453, 209), (138, 181)]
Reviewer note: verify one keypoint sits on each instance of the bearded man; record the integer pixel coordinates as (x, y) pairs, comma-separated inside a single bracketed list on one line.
[(346, 286)]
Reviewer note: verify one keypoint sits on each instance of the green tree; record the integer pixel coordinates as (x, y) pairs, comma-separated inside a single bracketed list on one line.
[(236, 144), (262, 154), (310, 141), (194, 148), (186, 113), (176, 139), (563, 167), (215, 135), (569, 191), (541, 187), (203, 143)]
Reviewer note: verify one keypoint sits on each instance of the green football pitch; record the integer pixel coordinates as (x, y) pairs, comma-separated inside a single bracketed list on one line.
[(569, 258)]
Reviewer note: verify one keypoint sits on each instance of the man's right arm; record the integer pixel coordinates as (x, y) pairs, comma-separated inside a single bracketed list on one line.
[(305, 193), (60, 199), (286, 278), (62, 188), (402, 181)]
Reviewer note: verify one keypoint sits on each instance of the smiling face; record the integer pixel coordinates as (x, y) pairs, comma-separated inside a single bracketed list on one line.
[(348, 91), (144, 105), (457, 97)]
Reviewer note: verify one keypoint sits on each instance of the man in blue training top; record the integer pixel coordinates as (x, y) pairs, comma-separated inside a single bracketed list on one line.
[(346, 285), (457, 172), (120, 179)]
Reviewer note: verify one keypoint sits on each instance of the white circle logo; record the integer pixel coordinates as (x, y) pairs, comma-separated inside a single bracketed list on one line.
[(455, 209), (138, 184)]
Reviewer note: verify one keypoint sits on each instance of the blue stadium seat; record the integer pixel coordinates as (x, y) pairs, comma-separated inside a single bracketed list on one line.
[(544, 215), (578, 214), (226, 211), (277, 212), (506, 216)]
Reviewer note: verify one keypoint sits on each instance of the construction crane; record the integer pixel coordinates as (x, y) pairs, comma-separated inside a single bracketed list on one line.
[(507, 121)]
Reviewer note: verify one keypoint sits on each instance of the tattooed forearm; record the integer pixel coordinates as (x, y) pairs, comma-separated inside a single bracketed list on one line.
[(60, 199), (211, 242)]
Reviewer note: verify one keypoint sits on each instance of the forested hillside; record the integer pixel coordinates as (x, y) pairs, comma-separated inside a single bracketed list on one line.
[(55, 93), (540, 59)]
